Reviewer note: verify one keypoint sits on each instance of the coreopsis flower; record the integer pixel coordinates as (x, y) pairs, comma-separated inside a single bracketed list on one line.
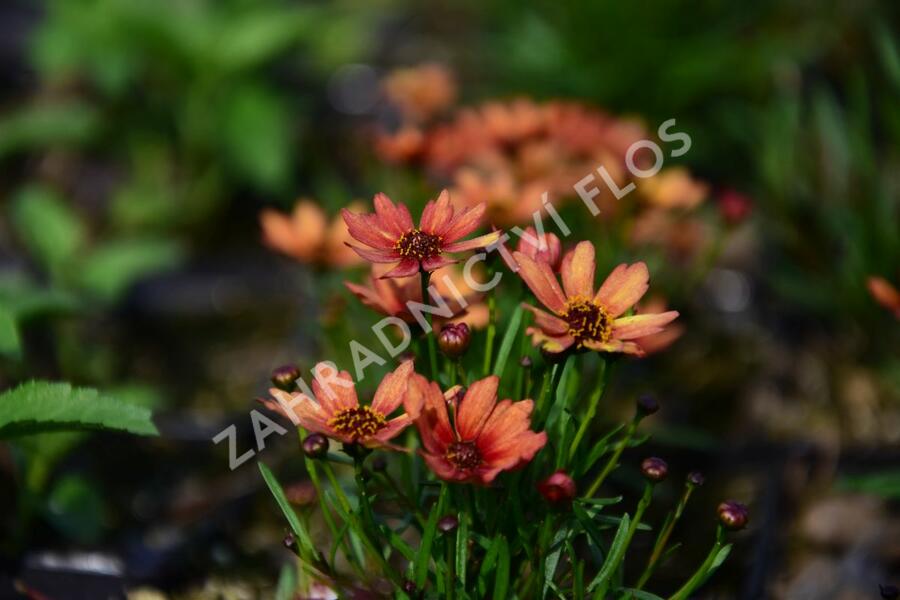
[(391, 297), (579, 317), (307, 236), (391, 236), (885, 294), (335, 411), (484, 438)]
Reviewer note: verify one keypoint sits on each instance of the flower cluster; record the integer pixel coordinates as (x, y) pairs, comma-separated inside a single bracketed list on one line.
[(491, 439)]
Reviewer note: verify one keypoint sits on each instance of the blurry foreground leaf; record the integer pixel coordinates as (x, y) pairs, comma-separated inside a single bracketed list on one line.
[(114, 266), (47, 226), (885, 484)]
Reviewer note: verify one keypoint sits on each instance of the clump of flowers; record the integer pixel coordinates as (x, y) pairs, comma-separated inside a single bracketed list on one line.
[(483, 470)]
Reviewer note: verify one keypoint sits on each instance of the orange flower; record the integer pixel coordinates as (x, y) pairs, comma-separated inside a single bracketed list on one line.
[(659, 341), (581, 318), (674, 188), (391, 235), (335, 410), (884, 294), (391, 298), (307, 236), (485, 437)]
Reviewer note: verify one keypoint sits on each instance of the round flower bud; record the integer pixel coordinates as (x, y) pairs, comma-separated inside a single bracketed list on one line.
[(696, 478), (559, 488), (447, 523), (647, 404), (315, 445), (525, 361), (654, 469), (733, 515), (454, 339), (409, 587), (285, 376)]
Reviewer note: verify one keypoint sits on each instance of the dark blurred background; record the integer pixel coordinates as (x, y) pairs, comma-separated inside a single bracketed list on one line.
[(139, 141)]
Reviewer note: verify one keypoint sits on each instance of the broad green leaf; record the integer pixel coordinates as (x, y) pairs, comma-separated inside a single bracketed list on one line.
[(49, 228), (286, 508), (509, 338), (113, 267), (40, 406)]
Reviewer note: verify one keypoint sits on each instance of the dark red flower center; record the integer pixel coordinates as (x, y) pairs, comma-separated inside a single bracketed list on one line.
[(464, 455), (357, 423), (587, 320), (419, 245)]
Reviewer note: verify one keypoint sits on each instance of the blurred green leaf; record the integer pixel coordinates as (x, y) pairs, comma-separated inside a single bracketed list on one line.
[(49, 228), (885, 484), (114, 266), (256, 135), (248, 40), (10, 344), (38, 126), (40, 406), (76, 508), (287, 583)]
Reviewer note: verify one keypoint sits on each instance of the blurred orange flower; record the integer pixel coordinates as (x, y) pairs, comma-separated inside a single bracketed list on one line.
[(335, 410), (420, 92), (484, 437), (673, 188), (306, 235), (884, 294), (581, 318), (391, 236), (657, 342)]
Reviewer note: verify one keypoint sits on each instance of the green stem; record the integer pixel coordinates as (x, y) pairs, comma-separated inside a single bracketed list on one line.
[(613, 461), (591, 412), (660, 545), (450, 571), (491, 331), (700, 575), (404, 498), (432, 343)]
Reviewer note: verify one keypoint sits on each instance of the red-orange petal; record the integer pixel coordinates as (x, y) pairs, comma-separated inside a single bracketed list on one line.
[(464, 223), (623, 288), (578, 270), (407, 268), (636, 326), (541, 281), (482, 241), (368, 229), (546, 322), (476, 407), (392, 389), (437, 214)]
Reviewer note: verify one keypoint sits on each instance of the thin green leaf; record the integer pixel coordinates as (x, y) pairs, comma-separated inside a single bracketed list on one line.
[(487, 566), (462, 549), (552, 560), (287, 583), (286, 508), (509, 338), (40, 406), (424, 556), (501, 581), (631, 593), (614, 557)]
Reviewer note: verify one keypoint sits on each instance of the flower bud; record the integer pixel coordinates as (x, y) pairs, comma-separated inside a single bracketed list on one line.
[(559, 488), (654, 469), (733, 515), (647, 404), (315, 445), (289, 541), (447, 524), (525, 361), (734, 206), (454, 339), (696, 478), (285, 377)]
